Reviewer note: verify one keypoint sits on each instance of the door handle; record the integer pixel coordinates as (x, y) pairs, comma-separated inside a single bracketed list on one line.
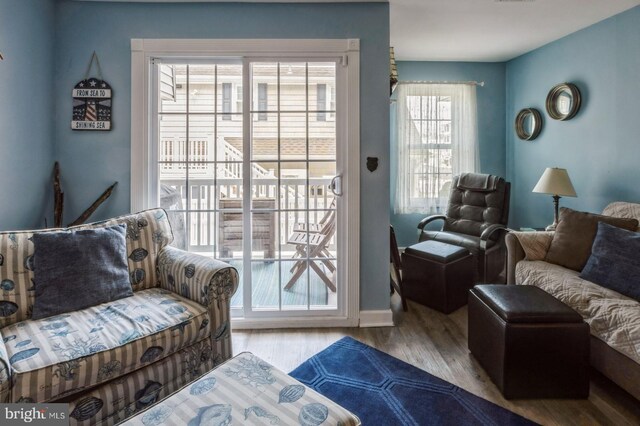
[(336, 185)]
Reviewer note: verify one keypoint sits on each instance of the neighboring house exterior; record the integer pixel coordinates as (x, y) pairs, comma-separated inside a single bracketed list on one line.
[(287, 131)]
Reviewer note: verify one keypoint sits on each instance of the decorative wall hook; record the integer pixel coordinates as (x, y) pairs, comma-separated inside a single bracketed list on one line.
[(372, 163)]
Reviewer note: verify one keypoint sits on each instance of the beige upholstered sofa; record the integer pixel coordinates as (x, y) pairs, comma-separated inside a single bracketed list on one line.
[(114, 359), (614, 319)]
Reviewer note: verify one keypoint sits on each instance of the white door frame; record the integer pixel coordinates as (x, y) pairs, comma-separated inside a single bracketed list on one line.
[(143, 164)]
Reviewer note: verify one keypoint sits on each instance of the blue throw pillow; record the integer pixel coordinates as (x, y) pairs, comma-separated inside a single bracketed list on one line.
[(75, 270), (614, 261)]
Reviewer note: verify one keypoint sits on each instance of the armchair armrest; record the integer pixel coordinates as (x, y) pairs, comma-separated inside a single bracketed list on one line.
[(489, 232), (492, 229), (515, 254), (5, 373), (196, 277), (525, 246), (209, 282), (430, 219)]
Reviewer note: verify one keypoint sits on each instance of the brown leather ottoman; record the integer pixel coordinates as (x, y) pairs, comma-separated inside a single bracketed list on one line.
[(437, 275), (531, 344)]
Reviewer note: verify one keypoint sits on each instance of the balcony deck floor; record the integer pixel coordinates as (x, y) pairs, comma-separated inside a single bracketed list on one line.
[(267, 283)]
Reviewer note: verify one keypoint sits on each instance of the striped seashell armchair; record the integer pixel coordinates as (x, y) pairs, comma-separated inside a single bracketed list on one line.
[(114, 359)]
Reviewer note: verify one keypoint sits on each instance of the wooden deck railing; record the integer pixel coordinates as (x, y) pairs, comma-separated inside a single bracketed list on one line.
[(292, 196)]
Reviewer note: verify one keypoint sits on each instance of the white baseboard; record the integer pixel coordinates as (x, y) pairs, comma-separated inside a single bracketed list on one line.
[(381, 318), (298, 322)]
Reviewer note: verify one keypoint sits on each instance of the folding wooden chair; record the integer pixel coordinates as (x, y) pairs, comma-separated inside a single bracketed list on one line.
[(316, 227), (314, 245)]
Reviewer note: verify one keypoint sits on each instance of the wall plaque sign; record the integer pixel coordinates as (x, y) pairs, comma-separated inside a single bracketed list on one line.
[(92, 102)]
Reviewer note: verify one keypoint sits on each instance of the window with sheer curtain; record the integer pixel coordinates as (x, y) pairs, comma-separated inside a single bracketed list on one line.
[(437, 139)]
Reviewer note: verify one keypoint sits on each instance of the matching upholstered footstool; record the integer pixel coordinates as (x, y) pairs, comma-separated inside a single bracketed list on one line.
[(245, 390), (437, 275), (531, 344)]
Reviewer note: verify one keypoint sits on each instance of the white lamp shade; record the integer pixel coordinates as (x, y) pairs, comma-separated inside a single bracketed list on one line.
[(555, 181)]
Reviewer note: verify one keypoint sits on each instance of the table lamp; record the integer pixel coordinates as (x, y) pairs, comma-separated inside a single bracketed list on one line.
[(556, 182)]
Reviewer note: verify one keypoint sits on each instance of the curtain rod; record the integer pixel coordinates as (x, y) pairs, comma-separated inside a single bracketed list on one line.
[(476, 83)]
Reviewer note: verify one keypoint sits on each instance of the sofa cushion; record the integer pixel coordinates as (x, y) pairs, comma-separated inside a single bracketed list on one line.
[(613, 317), (574, 235), (78, 269), (148, 232), (59, 355), (614, 260)]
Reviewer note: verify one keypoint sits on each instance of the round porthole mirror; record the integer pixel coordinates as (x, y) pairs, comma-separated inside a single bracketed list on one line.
[(528, 124), (563, 101)]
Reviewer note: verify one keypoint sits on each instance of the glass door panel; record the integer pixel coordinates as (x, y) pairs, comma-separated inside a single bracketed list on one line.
[(200, 158), (294, 146)]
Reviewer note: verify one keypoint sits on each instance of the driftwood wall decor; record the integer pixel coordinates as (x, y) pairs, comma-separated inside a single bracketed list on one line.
[(58, 197), (92, 208), (58, 201)]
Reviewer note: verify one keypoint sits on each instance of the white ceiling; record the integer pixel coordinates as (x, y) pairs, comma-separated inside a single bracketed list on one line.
[(489, 30)]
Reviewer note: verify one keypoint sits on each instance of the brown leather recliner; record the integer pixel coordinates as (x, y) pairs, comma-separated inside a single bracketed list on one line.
[(476, 219)]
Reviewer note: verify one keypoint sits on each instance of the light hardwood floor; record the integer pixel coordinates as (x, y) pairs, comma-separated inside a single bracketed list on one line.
[(437, 343)]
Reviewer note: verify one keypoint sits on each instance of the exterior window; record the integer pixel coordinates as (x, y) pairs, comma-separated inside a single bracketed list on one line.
[(332, 103), (321, 102), (238, 98), (226, 100), (437, 139), (431, 155), (167, 82), (262, 101)]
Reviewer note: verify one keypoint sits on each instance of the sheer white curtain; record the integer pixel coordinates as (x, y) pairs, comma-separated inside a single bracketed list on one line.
[(437, 137)]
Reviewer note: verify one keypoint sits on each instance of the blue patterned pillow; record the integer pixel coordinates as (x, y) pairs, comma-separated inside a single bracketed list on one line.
[(614, 261), (75, 270)]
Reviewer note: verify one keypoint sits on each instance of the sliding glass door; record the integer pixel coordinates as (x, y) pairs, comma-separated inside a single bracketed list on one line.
[(248, 168)]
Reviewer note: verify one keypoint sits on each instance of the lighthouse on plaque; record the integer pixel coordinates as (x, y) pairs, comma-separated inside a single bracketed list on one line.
[(91, 105)]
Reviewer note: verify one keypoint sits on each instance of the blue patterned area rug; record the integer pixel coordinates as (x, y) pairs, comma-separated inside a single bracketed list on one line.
[(382, 390)]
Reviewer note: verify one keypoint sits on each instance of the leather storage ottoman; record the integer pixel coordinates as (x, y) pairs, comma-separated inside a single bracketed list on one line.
[(437, 275), (531, 344)]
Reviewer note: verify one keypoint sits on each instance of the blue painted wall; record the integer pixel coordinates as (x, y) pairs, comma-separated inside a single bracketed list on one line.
[(600, 147), (491, 123), (92, 160), (26, 105)]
